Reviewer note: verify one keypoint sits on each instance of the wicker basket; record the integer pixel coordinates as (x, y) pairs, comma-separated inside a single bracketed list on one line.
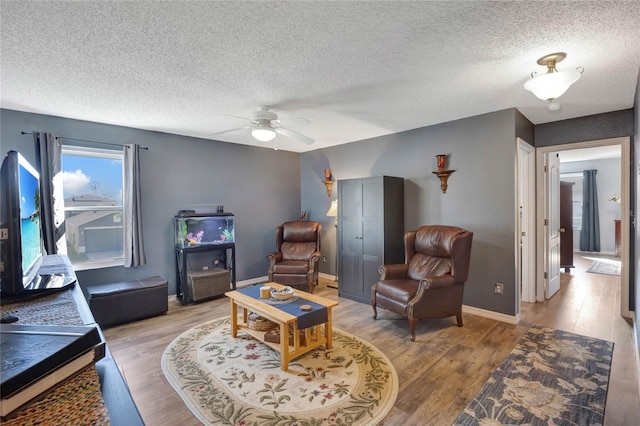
[(258, 323)]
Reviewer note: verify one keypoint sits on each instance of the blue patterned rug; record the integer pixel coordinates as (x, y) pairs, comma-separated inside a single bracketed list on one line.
[(550, 377)]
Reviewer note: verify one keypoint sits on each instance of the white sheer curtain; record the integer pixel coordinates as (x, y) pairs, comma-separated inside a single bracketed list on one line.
[(133, 239), (49, 162)]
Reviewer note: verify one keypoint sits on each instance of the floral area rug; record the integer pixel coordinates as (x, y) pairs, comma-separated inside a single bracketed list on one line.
[(551, 377), (227, 381)]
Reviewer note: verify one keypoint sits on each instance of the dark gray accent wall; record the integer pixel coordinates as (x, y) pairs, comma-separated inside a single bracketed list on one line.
[(591, 128), (259, 185), (524, 128), (480, 196)]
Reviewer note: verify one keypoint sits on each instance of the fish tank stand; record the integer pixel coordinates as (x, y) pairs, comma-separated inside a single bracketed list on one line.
[(205, 254)]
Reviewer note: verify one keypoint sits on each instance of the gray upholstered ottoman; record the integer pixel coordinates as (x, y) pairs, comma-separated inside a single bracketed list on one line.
[(119, 303)]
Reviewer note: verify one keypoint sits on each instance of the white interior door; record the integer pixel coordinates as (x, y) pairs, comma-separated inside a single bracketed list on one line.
[(552, 230), (526, 244)]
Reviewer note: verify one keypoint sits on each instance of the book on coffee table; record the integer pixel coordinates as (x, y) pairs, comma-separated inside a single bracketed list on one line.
[(37, 358)]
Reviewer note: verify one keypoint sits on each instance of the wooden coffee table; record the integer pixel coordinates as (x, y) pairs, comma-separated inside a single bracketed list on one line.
[(315, 336)]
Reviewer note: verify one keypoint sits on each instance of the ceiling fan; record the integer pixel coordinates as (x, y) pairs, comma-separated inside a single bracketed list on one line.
[(265, 125)]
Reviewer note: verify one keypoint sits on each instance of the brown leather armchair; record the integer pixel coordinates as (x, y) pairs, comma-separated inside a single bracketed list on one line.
[(430, 283), (295, 260)]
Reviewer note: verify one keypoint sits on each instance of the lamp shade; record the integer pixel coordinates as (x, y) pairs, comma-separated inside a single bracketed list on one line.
[(552, 85), (333, 210), (263, 133)]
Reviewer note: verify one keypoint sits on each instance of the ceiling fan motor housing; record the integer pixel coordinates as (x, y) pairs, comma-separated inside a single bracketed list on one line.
[(264, 115)]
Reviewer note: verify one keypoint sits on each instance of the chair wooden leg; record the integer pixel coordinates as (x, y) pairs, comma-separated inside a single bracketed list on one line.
[(375, 311), (412, 327), (459, 318)]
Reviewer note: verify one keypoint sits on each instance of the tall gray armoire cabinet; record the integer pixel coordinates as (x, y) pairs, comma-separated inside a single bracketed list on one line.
[(370, 232)]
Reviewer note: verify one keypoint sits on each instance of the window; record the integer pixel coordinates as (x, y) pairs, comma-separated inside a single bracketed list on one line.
[(93, 203)]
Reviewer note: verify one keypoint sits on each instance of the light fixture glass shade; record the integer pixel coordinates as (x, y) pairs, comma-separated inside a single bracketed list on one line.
[(333, 210), (263, 133), (552, 85)]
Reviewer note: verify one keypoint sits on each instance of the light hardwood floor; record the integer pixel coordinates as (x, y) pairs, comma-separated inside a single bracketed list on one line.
[(439, 373)]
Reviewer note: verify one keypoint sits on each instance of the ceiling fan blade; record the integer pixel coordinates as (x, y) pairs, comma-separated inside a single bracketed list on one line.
[(237, 116), (292, 120), (232, 130), (293, 135)]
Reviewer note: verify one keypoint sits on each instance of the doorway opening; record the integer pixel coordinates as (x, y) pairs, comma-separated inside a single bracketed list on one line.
[(571, 151)]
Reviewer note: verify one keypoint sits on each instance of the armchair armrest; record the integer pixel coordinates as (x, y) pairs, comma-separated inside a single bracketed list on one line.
[(313, 261), (315, 257), (430, 283), (393, 272), (274, 258)]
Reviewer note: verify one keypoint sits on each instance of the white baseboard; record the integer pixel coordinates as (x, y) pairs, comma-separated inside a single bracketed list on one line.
[(490, 314), (246, 283), (595, 254), (258, 280), (326, 276), (636, 340)]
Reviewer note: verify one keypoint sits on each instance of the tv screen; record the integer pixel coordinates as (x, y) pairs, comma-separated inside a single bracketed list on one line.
[(22, 250)]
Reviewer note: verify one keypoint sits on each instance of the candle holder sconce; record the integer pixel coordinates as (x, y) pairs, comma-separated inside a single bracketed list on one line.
[(442, 173), (327, 181)]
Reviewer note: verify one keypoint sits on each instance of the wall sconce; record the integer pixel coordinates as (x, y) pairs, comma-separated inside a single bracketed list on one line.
[(442, 172), (554, 83), (327, 181)]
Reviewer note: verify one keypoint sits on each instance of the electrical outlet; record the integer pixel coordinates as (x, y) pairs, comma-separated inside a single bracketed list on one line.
[(204, 268), (499, 288), (4, 234), (324, 259)]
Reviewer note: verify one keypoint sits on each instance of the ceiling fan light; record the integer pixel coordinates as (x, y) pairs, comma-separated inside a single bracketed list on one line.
[(552, 85), (263, 134)]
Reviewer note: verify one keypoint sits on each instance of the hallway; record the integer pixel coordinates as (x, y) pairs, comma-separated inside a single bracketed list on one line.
[(589, 304)]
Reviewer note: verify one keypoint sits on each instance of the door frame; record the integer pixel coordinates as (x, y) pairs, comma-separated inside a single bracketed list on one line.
[(625, 185), (526, 222)]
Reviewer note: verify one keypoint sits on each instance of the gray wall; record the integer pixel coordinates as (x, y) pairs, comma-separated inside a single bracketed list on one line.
[(261, 186), (265, 187), (608, 182), (480, 197)]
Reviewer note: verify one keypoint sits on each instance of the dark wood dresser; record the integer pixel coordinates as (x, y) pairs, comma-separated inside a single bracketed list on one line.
[(566, 226)]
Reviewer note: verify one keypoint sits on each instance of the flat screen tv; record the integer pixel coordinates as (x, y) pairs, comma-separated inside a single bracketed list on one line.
[(22, 246)]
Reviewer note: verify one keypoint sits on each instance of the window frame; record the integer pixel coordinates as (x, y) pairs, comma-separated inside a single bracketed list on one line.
[(107, 154)]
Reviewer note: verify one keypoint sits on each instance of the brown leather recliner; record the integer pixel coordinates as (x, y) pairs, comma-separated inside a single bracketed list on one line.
[(430, 283), (297, 254)]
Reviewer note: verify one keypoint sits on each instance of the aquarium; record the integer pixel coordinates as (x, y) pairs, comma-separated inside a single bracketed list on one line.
[(202, 229)]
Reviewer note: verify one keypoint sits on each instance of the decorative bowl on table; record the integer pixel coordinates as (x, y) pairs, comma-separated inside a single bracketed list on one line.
[(283, 293)]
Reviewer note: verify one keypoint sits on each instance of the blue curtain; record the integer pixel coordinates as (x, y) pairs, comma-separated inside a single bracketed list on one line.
[(590, 233)]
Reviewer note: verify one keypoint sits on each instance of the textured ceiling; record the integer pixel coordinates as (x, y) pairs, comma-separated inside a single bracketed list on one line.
[(355, 70)]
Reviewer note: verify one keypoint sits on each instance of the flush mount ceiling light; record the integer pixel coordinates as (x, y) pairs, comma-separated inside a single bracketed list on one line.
[(554, 83), (263, 133)]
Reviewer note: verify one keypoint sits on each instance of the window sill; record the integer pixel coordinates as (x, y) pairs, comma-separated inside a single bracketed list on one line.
[(97, 265)]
